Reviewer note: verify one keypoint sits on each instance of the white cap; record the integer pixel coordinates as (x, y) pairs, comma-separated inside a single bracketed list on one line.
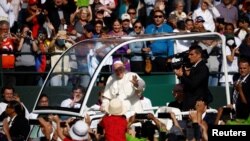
[(125, 16)]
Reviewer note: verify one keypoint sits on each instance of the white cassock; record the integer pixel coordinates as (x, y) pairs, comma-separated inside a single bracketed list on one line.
[(124, 90)]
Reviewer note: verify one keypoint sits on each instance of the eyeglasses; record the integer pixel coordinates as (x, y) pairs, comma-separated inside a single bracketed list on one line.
[(158, 16), (139, 27), (131, 13)]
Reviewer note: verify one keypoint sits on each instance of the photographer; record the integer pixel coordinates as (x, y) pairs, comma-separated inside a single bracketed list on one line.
[(8, 45), (196, 82), (25, 62), (232, 52)]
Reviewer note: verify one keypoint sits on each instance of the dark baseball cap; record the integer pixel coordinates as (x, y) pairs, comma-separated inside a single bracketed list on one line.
[(199, 19)]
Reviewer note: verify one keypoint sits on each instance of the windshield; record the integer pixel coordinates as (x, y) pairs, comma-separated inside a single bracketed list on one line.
[(77, 65)]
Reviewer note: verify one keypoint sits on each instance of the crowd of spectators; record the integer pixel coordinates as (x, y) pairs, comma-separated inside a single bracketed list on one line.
[(32, 28)]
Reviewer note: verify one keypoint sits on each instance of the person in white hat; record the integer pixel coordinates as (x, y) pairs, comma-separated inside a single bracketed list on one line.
[(79, 131), (115, 123), (127, 86), (126, 23)]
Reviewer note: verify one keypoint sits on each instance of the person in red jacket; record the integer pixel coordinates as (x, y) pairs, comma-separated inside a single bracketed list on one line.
[(7, 48), (114, 123)]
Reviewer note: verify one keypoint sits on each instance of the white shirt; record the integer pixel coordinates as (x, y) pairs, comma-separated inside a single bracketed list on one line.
[(3, 106), (181, 45), (231, 66), (146, 105), (6, 12), (106, 3), (66, 103), (208, 17), (16, 4), (242, 34), (181, 16)]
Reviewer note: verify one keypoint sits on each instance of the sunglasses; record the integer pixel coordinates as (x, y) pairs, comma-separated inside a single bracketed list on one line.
[(158, 16), (132, 13), (139, 27)]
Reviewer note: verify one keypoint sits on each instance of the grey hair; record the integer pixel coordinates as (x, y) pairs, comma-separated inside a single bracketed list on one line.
[(178, 1)]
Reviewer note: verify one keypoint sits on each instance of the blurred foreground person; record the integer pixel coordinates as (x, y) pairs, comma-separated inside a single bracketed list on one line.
[(16, 127)]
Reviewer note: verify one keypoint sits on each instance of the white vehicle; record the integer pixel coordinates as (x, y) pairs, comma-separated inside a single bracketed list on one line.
[(89, 57)]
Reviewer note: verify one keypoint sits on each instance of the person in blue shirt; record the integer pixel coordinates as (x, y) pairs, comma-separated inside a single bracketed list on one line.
[(161, 49)]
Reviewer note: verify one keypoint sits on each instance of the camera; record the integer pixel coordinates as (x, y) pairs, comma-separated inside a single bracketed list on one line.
[(184, 60), (29, 33), (41, 36)]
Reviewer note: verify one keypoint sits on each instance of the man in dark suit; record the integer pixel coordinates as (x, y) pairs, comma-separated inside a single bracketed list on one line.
[(196, 81), (241, 93), (16, 127)]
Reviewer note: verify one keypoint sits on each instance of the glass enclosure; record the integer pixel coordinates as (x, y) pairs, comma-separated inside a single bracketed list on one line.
[(88, 61)]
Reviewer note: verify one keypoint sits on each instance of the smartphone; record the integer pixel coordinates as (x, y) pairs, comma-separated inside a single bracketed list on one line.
[(99, 129), (164, 115), (227, 114), (227, 111), (141, 116), (34, 122)]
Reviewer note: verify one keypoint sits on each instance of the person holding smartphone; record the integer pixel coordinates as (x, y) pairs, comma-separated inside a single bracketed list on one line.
[(25, 61), (8, 45)]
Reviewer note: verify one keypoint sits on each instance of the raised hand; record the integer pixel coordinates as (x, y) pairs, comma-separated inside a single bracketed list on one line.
[(135, 81)]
